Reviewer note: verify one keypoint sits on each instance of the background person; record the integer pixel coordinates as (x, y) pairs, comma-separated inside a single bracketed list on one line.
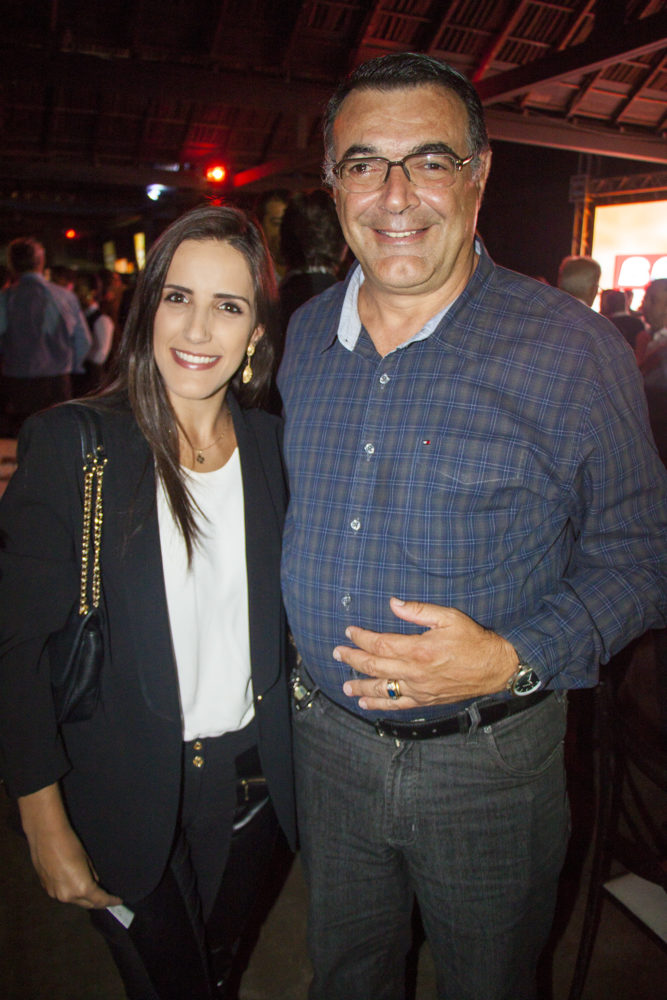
[(88, 289), (43, 336), (270, 210), (580, 277), (312, 246), (477, 518), (61, 274), (136, 803), (614, 305), (654, 309)]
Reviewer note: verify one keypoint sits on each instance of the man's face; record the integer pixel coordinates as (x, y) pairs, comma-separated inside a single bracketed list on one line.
[(409, 240), (655, 306)]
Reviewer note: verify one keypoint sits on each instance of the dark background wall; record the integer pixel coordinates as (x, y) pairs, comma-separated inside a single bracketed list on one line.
[(526, 218)]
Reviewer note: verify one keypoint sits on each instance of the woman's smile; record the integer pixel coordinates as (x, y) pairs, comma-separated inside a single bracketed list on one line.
[(195, 362)]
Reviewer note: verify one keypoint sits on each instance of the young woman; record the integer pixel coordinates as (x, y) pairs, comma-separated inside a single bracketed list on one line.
[(136, 803)]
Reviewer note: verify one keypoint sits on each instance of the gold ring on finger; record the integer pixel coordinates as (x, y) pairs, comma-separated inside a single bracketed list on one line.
[(393, 689)]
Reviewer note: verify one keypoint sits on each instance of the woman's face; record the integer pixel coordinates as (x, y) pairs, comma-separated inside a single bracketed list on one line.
[(204, 322)]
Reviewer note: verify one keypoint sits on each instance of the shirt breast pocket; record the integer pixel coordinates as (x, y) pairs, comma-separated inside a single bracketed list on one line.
[(469, 503)]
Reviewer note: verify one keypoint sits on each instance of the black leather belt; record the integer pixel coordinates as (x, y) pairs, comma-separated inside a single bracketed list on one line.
[(462, 722), (304, 692)]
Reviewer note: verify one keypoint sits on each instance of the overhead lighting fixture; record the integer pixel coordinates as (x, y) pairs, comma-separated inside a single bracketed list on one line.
[(216, 173)]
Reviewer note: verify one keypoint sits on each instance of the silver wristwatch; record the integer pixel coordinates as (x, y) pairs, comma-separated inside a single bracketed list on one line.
[(524, 681)]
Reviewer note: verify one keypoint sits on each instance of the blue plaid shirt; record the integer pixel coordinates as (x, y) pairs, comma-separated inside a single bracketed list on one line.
[(42, 329), (501, 465)]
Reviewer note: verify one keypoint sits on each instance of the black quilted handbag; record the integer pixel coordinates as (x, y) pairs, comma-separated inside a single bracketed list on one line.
[(76, 651)]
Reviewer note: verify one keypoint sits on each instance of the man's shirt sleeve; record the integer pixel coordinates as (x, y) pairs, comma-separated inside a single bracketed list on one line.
[(615, 586)]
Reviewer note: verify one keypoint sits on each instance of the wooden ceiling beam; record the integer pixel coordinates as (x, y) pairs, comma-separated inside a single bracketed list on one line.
[(510, 22), (305, 160), (77, 172), (537, 130), (655, 69), (629, 41), (152, 80)]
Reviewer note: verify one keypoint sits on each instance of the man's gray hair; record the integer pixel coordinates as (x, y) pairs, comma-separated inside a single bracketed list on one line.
[(395, 72)]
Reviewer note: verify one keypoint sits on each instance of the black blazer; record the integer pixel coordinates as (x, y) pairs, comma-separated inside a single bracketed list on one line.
[(120, 770)]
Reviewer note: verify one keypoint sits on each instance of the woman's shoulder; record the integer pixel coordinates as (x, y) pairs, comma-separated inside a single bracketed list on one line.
[(110, 408), (261, 422), (60, 427), (267, 429), (260, 418)]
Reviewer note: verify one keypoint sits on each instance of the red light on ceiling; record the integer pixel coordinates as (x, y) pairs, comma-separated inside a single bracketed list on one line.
[(216, 174), (71, 234)]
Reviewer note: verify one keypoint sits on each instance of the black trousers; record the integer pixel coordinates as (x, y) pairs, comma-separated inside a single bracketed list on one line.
[(182, 937)]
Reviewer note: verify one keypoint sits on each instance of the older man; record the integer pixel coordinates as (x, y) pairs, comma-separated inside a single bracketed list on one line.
[(477, 519), (654, 350), (580, 277)]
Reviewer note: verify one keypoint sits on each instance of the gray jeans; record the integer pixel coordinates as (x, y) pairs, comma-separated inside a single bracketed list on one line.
[(476, 826)]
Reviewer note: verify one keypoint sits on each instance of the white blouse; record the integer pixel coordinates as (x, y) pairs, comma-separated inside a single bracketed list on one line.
[(208, 604)]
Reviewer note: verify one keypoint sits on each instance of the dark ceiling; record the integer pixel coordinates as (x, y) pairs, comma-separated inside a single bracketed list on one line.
[(99, 100)]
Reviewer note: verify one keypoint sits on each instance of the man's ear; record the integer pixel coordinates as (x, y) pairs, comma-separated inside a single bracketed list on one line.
[(482, 173)]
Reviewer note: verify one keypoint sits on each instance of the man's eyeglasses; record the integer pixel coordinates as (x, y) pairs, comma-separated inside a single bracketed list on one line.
[(359, 174)]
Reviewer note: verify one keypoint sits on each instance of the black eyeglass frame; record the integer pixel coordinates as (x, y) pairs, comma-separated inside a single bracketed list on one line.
[(459, 164)]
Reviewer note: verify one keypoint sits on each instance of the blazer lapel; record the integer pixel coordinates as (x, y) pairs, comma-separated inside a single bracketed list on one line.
[(263, 520), (148, 618)]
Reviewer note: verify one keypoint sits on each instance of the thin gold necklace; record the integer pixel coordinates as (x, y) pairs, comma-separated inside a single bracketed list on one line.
[(199, 452)]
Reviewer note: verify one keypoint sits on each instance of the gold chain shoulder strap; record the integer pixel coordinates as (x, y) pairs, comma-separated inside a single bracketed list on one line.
[(94, 460)]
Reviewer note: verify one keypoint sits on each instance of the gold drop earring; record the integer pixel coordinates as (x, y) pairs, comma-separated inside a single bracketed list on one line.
[(247, 371)]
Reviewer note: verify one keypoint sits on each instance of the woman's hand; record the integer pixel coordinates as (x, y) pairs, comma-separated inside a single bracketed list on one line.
[(63, 867)]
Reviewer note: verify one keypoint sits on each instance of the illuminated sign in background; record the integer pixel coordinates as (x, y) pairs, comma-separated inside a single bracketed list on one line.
[(636, 270), (630, 244)]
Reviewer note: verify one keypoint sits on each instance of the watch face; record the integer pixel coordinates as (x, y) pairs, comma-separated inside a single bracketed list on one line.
[(526, 682)]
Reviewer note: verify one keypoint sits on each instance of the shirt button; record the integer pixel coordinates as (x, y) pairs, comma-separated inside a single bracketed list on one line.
[(384, 378), (346, 600), (355, 524), (198, 761), (369, 448)]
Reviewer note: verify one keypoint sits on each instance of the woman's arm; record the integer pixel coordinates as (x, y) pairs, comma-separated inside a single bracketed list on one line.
[(63, 867)]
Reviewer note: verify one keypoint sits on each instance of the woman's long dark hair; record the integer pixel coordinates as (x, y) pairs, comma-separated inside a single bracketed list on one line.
[(137, 373)]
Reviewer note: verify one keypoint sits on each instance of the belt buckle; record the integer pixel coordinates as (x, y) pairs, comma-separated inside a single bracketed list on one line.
[(465, 721), (302, 695)]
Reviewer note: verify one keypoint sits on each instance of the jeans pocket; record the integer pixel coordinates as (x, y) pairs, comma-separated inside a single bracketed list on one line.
[(527, 744)]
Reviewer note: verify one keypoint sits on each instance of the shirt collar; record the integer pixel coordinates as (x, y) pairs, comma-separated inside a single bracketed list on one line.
[(349, 325)]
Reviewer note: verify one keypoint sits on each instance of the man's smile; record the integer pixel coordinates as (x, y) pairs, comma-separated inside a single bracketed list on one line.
[(405, 233)]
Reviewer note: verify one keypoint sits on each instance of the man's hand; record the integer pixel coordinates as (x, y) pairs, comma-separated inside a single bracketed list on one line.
[(453, 660), (63, 867)]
